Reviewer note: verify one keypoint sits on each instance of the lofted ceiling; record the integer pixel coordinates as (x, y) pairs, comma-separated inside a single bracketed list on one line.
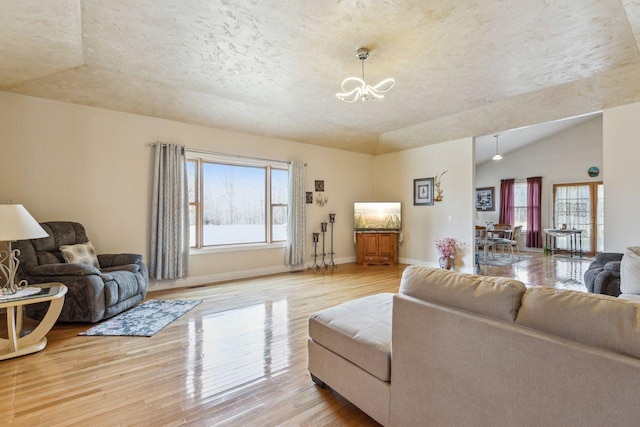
[(272, 67), (516, 139)]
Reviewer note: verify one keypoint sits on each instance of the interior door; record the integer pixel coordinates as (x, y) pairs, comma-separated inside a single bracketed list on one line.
[(580, 206)]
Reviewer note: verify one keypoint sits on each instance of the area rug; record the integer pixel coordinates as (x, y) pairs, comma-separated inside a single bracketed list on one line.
[(503, 261), (143, 320)]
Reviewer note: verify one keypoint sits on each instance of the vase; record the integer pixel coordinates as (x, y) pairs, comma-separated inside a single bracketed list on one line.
[(445, 262)]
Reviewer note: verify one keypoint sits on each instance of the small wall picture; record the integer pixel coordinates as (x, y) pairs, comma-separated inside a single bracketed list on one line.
[(423, 192), (309, 197), (319, 185), (485, 199)]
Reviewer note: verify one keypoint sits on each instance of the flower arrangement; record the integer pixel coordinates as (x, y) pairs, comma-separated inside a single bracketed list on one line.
[(446, 246)]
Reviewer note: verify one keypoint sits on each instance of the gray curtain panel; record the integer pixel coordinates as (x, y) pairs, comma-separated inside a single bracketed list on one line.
[(297, 221), (170, 214)]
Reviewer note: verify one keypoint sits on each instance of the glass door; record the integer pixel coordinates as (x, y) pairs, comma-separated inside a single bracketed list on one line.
[(580, 206)]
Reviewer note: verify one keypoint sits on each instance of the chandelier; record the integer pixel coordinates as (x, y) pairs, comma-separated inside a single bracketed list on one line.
[(354, 88)]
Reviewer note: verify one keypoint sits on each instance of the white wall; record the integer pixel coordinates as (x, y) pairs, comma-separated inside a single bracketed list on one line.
[(561, 158), (93, 166), (421, 225), (70, 162), (621, 138)]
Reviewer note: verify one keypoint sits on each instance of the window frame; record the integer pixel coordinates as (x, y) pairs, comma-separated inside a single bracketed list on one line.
[(200, 159), (274, 205), (525, 206), (196, 203), (596, 199)]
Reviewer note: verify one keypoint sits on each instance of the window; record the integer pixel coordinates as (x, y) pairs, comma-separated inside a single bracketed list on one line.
[(233, 202), (520, 204)]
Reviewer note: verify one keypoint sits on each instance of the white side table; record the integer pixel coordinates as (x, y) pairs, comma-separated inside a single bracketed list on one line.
[(36, 340)]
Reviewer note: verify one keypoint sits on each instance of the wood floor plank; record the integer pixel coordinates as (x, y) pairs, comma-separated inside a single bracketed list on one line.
[(239, 358)]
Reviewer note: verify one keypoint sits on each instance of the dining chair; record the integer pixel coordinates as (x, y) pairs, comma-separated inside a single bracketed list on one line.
[(510, 242), (482, 241), (501, 231)]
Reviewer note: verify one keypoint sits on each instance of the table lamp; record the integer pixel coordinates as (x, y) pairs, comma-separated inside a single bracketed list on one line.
[(15, 224)]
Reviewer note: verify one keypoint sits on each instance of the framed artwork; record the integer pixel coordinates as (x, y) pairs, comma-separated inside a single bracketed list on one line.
[(309, 196), (423, 192), (485, 199), (319, 185)]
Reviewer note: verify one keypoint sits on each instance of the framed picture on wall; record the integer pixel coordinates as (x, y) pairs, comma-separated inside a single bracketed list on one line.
[(485, 199), (423, 192)]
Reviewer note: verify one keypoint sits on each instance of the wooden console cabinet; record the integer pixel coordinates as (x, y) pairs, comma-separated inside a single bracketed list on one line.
[(377, 248)]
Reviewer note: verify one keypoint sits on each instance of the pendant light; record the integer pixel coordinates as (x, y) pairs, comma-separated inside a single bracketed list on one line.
[(497, 156)]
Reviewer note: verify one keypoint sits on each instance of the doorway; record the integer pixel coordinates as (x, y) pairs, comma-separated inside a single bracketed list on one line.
[(580, 206)]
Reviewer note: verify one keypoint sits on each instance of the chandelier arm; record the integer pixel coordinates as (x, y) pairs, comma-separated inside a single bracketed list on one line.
[(384, 85), (356, 93), (373, 93), (358, 83)]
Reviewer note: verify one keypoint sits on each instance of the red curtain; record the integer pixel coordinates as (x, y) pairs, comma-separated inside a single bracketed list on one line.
[(534, 212), (506, 201)]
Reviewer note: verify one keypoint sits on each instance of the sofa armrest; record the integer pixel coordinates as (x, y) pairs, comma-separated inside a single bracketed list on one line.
[(607, 283), (134, 268), (613, 266), (605, 257), (114, 260), (72, 269)]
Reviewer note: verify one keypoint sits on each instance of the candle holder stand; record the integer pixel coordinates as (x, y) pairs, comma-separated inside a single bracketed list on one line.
[(323, 229), (315, 252), (332, 220)]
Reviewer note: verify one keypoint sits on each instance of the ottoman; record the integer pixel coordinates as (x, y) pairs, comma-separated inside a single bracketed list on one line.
[(350, 351)]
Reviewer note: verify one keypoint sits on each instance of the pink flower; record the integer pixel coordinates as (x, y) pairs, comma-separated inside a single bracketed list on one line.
[(446, 246)]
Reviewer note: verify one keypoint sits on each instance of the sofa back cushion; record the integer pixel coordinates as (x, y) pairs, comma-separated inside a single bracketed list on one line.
[(45, 251), (630, 271), (597, 320), (496, 297)]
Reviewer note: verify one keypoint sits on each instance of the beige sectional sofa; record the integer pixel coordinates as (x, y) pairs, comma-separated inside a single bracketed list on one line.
[(481, 351)]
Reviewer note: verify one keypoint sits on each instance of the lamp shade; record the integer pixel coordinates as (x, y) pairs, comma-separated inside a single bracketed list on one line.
[(18, 224)]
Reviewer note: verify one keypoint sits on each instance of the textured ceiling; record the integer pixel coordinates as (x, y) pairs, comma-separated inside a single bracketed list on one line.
[(272, 67)]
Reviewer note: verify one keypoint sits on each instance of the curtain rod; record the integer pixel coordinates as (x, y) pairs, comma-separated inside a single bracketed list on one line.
[(153, 144)]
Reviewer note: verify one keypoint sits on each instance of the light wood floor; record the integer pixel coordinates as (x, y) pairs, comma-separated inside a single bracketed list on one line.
[(239, 358)]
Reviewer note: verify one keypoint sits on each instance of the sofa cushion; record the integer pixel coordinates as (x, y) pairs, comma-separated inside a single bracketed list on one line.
[(497, 297), (597, 320), (630, 271), (60, 233), (119, 286), (81, 253), (630, 297), (359, 331)]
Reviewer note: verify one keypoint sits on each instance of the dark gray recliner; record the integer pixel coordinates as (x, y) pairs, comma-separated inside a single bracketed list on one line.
[(603, 275), (93, 294)]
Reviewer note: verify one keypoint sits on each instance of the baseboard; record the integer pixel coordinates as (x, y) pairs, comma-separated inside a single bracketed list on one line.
[(158, 285)]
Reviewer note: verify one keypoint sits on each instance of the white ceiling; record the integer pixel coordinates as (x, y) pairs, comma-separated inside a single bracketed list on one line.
[(515, 139), (272, 67)]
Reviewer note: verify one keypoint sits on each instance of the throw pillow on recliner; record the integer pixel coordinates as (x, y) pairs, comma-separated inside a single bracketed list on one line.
[(82, 253), (630, 271)]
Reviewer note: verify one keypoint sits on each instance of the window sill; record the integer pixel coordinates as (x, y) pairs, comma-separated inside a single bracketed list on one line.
[(237, 248)]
